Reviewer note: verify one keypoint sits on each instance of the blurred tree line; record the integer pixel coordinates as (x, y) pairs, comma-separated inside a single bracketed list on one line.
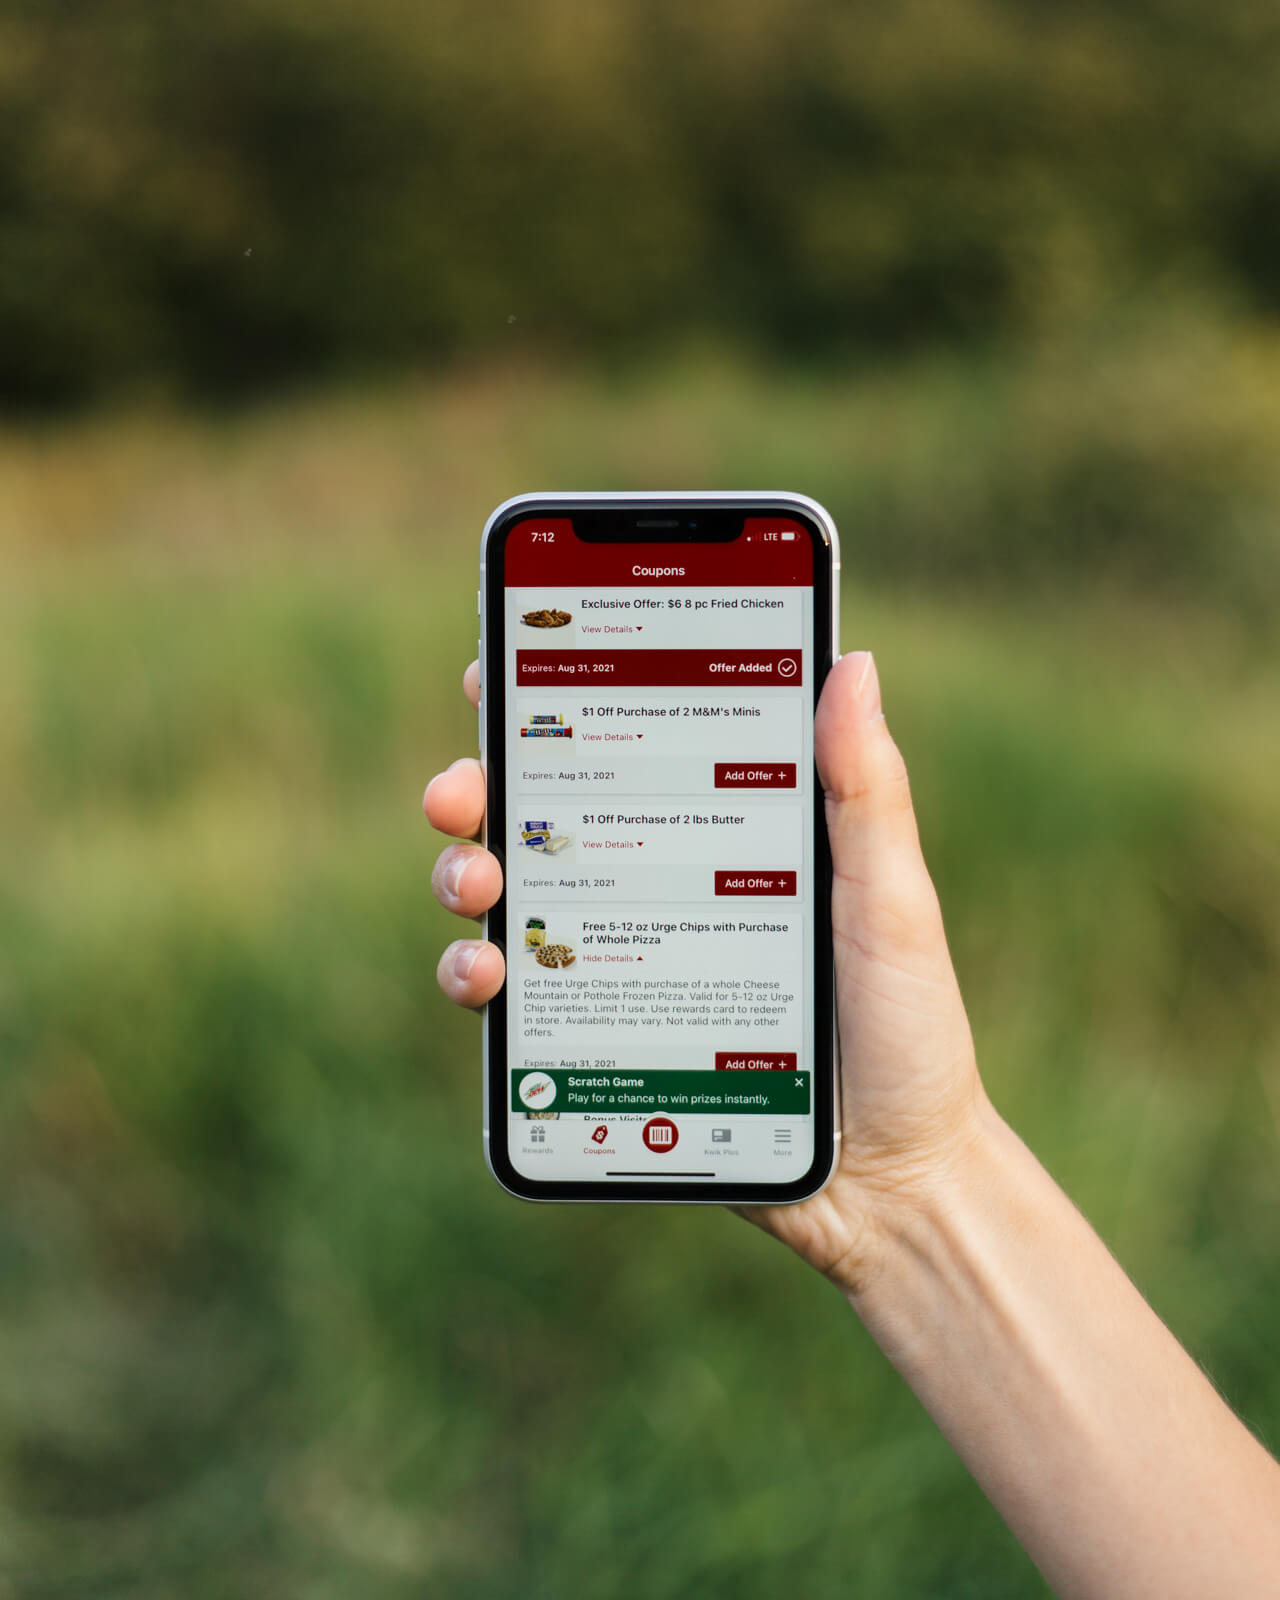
[(212, 199)]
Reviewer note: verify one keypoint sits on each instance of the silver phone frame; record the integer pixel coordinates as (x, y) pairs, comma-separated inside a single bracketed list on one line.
[(780, 500)]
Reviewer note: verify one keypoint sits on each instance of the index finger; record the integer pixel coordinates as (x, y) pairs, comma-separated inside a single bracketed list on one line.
[(454, 801)]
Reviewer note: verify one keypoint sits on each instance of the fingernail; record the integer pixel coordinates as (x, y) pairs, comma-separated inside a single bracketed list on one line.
[(451, 877), (464, 961), (868, 690), (426, 798)]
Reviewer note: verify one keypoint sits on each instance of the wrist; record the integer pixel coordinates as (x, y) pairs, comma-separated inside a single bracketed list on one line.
[(908, 1211), (1097, 1439)]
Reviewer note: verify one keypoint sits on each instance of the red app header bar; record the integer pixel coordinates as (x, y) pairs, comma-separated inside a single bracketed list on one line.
[(770, 552), (660, 668)]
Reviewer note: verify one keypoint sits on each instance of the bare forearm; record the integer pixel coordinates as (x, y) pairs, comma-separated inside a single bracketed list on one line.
[(1089, 1428)]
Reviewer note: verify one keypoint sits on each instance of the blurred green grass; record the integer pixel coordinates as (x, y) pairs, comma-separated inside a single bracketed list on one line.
[(266, 1325)]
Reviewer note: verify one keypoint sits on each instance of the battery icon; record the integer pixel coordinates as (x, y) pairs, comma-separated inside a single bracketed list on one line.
[(788, 534)]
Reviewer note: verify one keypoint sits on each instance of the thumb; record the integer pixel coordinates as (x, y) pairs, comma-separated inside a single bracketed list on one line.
[(884, 901)]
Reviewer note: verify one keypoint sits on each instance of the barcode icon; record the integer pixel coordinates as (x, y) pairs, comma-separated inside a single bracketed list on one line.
[(660, 1134)]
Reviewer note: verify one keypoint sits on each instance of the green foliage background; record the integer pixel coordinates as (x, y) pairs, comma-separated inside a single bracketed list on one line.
[(214, 198), (995, 282)]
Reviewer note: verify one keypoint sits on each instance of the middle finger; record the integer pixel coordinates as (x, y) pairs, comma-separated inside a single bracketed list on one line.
[(467, 879)]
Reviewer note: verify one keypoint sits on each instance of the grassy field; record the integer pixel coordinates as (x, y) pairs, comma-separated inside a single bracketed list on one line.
[(266, 1325)]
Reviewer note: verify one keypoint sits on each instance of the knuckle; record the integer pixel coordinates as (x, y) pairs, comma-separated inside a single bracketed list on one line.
[(893, 785), (444, 969), (439, 873)]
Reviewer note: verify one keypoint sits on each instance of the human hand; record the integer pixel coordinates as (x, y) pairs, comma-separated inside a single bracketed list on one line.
[(1103, 1446), (912, 1099)]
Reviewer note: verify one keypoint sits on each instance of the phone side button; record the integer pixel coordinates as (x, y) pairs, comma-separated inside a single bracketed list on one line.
[(480, 703)]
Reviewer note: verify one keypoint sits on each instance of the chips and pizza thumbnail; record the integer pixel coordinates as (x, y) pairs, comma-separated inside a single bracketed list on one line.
[(554, 955)]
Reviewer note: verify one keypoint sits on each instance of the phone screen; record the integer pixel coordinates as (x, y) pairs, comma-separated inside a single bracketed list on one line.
[(665, 996)]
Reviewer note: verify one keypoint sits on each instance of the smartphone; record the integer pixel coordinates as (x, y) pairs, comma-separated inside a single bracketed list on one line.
[(650, 665)]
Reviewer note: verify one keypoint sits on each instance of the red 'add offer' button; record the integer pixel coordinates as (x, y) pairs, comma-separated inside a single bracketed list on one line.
[(755, 882), (755, 775), (756, 1061)]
